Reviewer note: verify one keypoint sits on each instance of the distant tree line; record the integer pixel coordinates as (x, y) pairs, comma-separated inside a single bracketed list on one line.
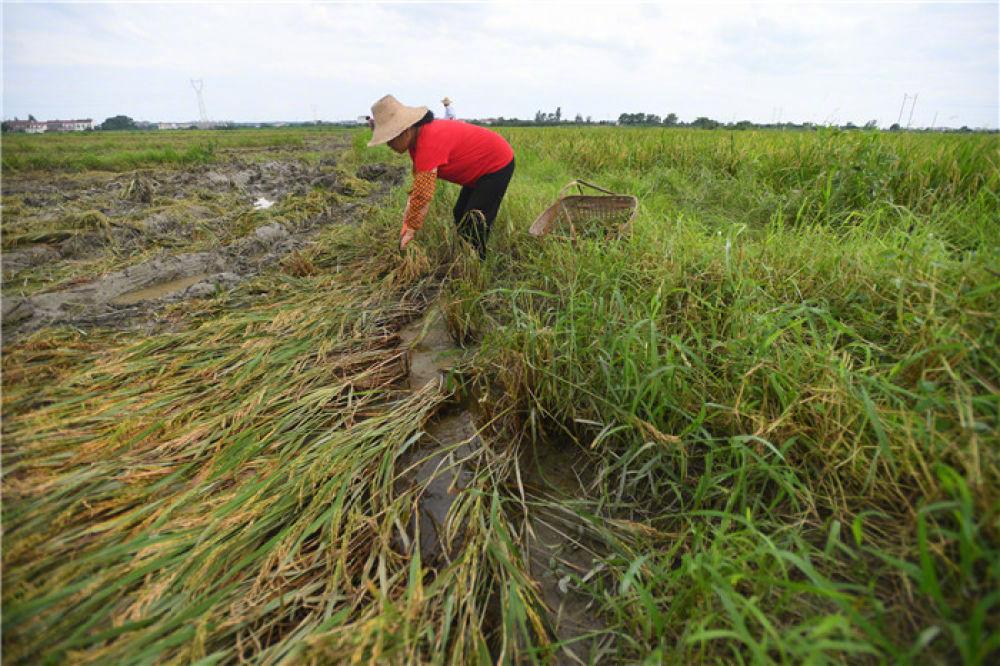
[(701, 122), (123, 122)]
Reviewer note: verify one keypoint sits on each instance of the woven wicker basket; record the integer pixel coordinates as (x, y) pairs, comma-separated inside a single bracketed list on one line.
[(587, 216)]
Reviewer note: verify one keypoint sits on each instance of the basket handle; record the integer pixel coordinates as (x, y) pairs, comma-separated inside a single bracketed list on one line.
[(579, 185), (569, 218)]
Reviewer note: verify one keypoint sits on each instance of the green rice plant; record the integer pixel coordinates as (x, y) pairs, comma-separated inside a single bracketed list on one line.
[(788, 372)]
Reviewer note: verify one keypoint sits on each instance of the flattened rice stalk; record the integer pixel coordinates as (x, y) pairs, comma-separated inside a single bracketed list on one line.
[(227, 491), (185, 467)]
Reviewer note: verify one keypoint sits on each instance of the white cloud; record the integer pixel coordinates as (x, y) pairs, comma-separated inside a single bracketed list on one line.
[(721, 60)]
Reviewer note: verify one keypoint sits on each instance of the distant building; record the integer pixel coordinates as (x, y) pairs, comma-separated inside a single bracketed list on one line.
[(167, 126), (27, 126), (69, 125)]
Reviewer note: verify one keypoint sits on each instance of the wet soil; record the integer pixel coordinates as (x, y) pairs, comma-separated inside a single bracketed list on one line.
[(441, 464), (435, 464), (432, 351), (245, 175), (132, 296), (64, 227), (439, 467), (159, 290), (560, 556)]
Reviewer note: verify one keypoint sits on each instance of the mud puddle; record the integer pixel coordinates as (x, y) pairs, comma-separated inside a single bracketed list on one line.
[(159, 290), (431, 349), (442, 465), (559, 556), (435, 464)]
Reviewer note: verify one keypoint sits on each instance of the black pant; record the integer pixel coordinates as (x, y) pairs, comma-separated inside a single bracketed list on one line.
[(478, 204)]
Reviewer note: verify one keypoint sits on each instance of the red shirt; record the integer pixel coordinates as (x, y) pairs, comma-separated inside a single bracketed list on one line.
[(462, 153)]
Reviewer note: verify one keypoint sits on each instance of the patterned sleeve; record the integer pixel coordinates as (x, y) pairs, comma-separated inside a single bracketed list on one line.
[(424, 183)]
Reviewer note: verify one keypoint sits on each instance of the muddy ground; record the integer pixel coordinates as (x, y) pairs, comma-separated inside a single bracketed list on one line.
[(444, 461), (111, 249)]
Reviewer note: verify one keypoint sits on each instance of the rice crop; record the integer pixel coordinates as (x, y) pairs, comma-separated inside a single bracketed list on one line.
[(119, 151), (784, 384), (761, 428)]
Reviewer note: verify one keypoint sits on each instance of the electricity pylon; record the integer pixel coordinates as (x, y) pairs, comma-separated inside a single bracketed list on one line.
[(901, 107), (199, 86), (912, 106)]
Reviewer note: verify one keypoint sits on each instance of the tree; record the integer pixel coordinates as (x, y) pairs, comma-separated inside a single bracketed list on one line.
[(894, 127), (558, 113), (670, 120), (32, 118), (871, 124), (704, 123), (589, 120), (638, 119), (578, 119), (118, 123)]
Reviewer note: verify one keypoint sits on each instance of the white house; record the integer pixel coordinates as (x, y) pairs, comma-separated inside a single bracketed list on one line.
[(69, 125), (28, 126)]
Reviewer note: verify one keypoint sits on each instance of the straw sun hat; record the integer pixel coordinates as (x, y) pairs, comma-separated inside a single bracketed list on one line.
[(392, 118), (446, 101)]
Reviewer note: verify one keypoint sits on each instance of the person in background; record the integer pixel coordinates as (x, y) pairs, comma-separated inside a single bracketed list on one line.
[(479, 160), (449, 111)]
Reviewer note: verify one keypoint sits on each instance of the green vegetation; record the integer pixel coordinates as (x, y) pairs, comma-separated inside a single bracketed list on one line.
[(119, 122), (778, 400), (786, 383), (120, 151)]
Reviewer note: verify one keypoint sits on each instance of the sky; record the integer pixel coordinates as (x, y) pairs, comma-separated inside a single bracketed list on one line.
[(820, 62)]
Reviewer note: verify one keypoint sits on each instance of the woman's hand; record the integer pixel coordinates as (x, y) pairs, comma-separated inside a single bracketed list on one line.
[(405, 236)]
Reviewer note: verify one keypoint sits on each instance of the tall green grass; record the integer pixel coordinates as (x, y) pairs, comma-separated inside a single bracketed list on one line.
[(785, 380)]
